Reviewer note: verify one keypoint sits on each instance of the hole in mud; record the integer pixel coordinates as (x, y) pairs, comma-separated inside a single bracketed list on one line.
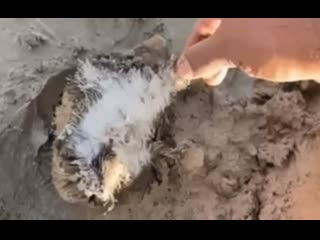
[(46, 102), (51, 94), (269, 165)]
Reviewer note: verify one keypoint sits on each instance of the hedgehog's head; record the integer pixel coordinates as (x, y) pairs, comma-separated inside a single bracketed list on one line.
[(90, 170), (111, 105)]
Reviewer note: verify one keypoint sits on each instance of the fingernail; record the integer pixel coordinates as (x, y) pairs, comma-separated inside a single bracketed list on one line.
[(184, 69), (218, 78)]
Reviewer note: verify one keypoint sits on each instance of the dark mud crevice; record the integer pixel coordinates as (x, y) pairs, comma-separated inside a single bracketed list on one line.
[(29, 187), (49, 97), (26, 195), (257, 204), (45, 106)]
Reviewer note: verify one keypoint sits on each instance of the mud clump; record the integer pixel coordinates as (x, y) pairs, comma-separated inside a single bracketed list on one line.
[(31, 40), (36, 35), (193, 160)]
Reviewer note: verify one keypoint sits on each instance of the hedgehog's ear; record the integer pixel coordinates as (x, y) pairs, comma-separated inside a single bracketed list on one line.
[(154, 50)]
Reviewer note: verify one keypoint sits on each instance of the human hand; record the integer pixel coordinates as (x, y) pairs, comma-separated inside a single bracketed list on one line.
[(275, 49)]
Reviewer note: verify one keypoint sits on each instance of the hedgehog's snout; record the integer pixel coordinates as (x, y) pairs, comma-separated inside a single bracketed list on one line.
[(96, 202)]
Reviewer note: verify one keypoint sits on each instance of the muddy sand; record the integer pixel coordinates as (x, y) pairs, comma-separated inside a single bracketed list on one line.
[(254, 151)]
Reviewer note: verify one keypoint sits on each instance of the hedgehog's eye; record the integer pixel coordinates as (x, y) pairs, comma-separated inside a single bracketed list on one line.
[(68, 154), (110, 155), (72, 158)]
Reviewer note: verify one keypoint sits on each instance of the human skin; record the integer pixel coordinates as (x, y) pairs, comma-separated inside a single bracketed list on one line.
[(274, 49)]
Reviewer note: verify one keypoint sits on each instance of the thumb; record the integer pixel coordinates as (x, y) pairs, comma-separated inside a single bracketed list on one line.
[(205, 59)]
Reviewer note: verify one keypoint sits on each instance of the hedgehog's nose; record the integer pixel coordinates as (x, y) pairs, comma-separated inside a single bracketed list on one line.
[(93, 201)]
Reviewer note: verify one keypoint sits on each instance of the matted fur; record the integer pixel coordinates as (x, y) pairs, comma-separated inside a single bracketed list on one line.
[(105, 123)]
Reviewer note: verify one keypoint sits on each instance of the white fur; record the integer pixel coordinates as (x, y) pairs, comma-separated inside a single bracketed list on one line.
[(121, 114)]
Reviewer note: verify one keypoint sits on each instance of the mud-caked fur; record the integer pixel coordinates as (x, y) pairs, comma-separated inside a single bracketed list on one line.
[(107, 117)]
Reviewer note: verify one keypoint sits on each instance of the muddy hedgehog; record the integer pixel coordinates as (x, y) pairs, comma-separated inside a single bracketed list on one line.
[(106, 120)]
